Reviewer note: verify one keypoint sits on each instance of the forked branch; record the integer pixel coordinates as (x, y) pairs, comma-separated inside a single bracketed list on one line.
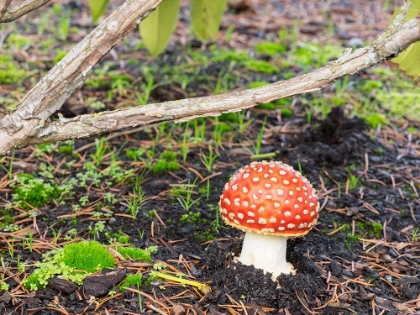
[(29, 123), (21, 9), (3, 7)]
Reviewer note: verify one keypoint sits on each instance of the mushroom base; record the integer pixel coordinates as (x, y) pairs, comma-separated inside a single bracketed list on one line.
[(266, 252)]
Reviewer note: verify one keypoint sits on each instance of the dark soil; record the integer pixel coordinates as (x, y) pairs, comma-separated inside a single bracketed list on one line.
[(346, 265)]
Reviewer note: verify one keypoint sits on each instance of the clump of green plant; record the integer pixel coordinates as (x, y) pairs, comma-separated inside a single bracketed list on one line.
[(377, 229), (167, 162), (375, 119), (270, 48), (34, 191), (6, 216), (261, 66), (73, 262), (10, 72), (131, 280), (89, 256), (137, 253)]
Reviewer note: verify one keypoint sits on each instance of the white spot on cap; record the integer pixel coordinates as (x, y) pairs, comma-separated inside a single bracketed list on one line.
[(236, 201), (268, 197), (300, 199), (245, 203), (267, 185), (244, 190), (250, 221), (287, 214), (251, 214), (236, 222), (305, 211), (256, 179), (271, 171), (254, 196), (311, 204), (302, 225), (231, 215), (287, 202), (291, 226), (276, 205), (312, 213), (296, 206), (281, 228), (282, 222), (279, 192), (265, 175), (224, 211), (227, 201), (235, 187), (262, 221), (260, 191), (282, 172), (286, 182), (272, 220), (226, 186), (261, 209), (253, 206), (294, 180), (273, 179), (305, 188), (297, 217), (298, 189), (269, 230), (246, 175), (291, 192), (260, 170), (240, 215)]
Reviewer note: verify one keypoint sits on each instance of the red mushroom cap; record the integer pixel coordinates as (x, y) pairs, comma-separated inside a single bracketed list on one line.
[(269, 198)]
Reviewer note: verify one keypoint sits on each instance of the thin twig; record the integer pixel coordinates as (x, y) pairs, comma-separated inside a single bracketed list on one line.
[(21, 9)]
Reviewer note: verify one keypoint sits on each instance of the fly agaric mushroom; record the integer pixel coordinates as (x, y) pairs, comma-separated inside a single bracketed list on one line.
[(270, 202)]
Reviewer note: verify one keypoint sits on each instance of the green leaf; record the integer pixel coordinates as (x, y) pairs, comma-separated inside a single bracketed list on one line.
[(98, 8), (409, 60), (157, 28), (206, 16)]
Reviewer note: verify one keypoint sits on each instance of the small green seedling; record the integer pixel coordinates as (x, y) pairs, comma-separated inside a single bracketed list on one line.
[(131, 280)]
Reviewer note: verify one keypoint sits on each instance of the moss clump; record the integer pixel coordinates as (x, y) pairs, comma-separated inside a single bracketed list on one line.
[(9, 71), (75, 261), (88, 256), (166, 163), (131, 280), (270, 48), (261, 66), (136, 253)]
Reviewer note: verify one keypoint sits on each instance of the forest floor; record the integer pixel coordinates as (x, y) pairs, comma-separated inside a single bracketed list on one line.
[(157, 188)]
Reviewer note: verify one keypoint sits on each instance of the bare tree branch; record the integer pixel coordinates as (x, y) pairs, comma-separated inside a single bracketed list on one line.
[(28, 124), (22, 9), (50, 93), (3, 7), (182, 110)]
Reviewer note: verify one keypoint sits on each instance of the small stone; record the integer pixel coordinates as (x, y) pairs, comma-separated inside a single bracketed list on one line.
[(178, 310)]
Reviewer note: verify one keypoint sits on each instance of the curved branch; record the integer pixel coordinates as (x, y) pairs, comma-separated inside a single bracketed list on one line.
[(28, 123), (3, 7), (182, 110), (49, 94), (16, 12)]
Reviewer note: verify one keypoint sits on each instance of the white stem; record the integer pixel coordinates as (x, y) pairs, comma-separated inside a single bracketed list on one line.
[(266, 252)]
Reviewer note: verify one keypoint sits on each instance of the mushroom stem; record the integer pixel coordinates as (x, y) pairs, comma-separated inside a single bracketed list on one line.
[(266, 252)]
